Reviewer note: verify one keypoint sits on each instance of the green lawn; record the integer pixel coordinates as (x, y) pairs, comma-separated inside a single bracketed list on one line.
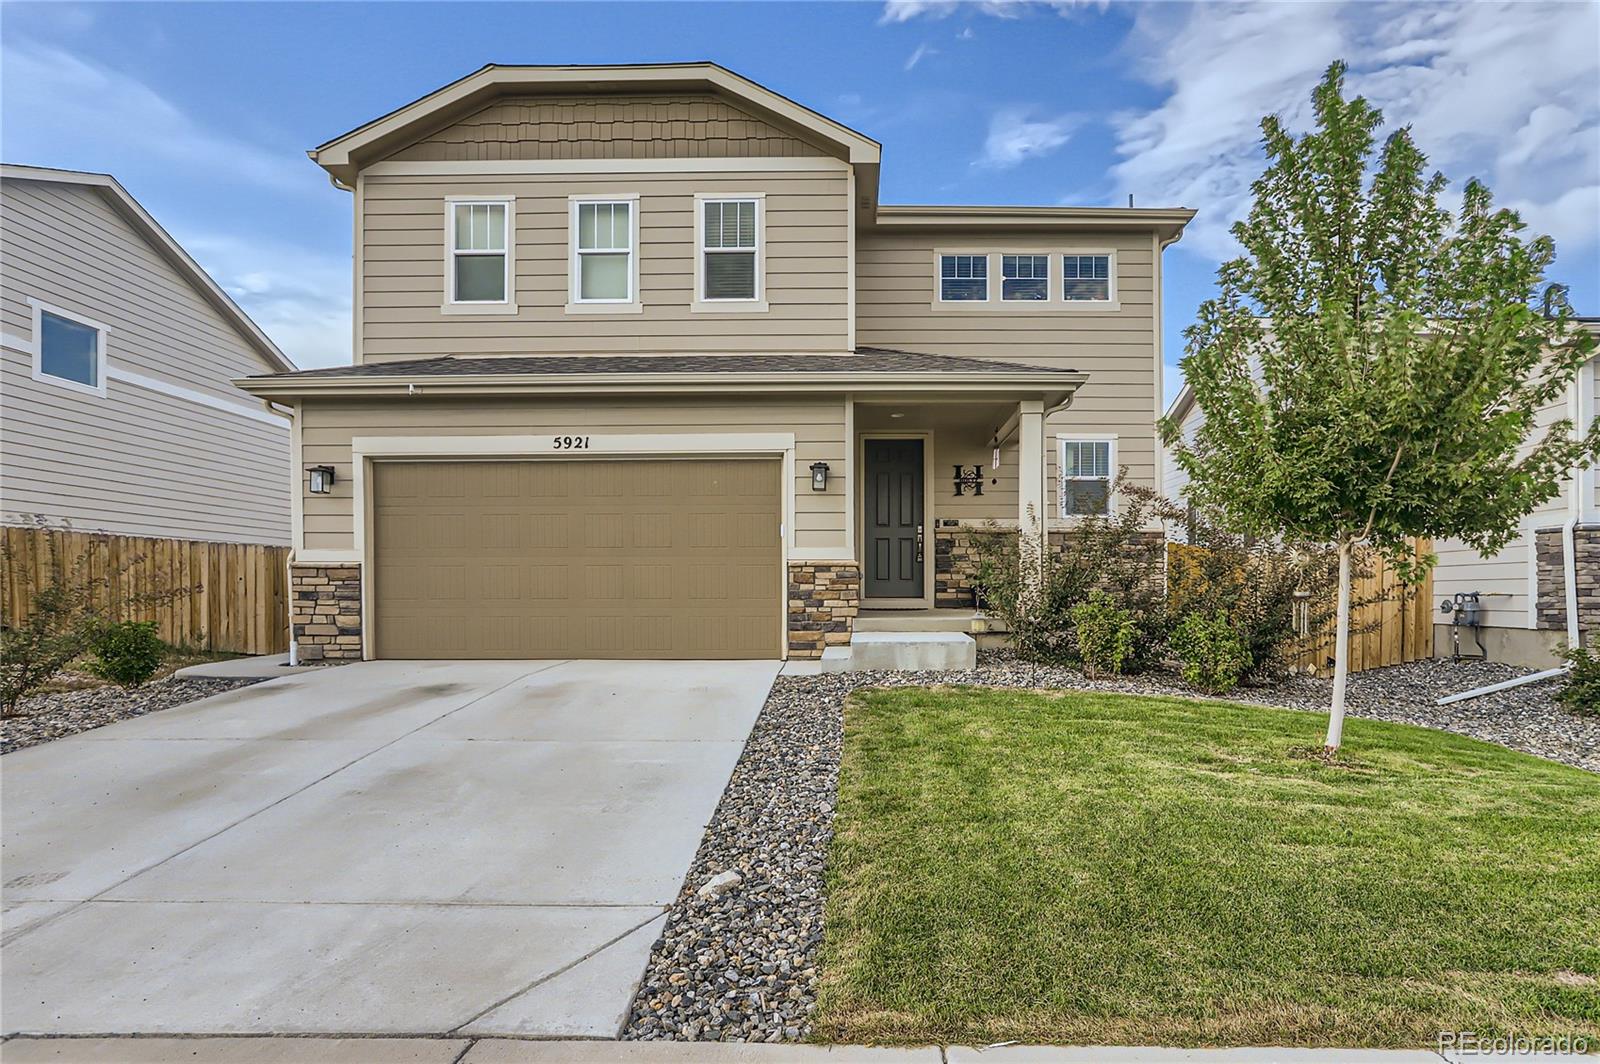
[(1094, 869)]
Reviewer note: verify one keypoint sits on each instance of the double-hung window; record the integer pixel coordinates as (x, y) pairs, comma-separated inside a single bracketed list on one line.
[(1087, 467), (68, 350), (963, 278), (1086, 278), (604, 242), (730, 250), (1025, 277), (480, 252)]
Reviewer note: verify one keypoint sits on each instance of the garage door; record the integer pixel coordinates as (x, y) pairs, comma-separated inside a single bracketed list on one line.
[(561, 558)]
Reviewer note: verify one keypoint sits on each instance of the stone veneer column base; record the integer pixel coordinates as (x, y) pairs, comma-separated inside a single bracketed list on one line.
[(956, 560), (1551, 559), (823, 600), (325, 612)]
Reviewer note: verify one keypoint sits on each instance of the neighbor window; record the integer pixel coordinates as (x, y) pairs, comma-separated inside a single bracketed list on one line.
[(730, 236), (963, 278), (1086, 476), (479, 257), (1024, 277), (1086, 278), (68, 350), (604, 252)]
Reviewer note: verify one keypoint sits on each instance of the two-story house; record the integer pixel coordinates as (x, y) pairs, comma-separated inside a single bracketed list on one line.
[(644, 369)]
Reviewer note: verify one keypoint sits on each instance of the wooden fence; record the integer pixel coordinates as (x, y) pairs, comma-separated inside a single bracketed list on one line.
[(1390, 623), (238, 601)]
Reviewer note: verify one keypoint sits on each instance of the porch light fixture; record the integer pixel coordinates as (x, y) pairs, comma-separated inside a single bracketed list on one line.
[(819, 476), (320, 479)]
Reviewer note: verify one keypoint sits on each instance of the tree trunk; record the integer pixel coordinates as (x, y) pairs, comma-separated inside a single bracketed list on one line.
[(1341, 650)]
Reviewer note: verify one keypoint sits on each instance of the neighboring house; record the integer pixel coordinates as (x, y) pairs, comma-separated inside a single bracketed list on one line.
[(116, 409), (644, 369), (1522, 591)]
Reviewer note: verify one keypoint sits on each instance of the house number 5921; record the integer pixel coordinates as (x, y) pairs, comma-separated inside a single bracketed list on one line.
[(571, 443)]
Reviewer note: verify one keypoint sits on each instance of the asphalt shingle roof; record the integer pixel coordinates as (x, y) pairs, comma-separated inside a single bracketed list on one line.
[(864, 360)]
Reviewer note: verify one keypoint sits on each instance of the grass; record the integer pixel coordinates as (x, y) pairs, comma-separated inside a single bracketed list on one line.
[(1106, 869)]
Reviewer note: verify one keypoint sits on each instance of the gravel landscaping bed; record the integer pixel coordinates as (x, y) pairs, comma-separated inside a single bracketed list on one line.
[(739, 963), (63, 713)]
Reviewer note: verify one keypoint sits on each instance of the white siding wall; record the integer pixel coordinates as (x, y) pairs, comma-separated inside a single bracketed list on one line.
[(140, 461)]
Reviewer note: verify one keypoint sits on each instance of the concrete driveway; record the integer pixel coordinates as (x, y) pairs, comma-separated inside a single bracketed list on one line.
[(384, 848)]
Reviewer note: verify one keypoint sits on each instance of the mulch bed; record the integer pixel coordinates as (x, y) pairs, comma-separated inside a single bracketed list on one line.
[(62, 713), (740, 964)]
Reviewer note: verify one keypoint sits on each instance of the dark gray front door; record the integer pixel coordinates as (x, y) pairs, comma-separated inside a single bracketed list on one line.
[(894, 519)]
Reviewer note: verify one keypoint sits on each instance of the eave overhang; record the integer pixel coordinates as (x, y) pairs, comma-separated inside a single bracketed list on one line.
[(1168, 222)]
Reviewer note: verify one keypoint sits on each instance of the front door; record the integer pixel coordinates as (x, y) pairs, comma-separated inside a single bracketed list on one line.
[(894, 519)]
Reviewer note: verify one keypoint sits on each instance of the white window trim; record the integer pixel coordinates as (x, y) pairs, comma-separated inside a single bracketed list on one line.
[(1064, 438), (702, 305), (40, 308), (451, 304), (1049, 278), (1112, 300), (940, 254), (577, 305)]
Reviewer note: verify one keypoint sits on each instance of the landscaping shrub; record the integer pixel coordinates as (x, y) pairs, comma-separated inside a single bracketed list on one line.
[(1105, 634), (1213, 654), (1582, 691), (127, 652), (1115, 555)]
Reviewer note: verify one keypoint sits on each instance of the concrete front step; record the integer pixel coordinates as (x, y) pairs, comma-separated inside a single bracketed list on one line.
[(915, 620), (910, 651)]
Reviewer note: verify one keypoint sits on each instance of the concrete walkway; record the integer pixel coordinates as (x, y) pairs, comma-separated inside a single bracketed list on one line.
[(405, 848), (508, 1051)]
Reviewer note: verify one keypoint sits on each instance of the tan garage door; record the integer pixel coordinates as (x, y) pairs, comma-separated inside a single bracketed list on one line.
[(599, 559)]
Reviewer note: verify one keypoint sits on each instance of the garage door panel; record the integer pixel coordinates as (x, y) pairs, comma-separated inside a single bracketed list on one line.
[(670, 558)]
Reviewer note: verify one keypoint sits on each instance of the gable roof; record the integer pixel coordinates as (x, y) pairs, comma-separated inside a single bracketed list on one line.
[(135, 215), (345, 154)]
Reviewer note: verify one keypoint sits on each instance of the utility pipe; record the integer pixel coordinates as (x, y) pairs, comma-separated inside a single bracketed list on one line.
[(1503, 685)]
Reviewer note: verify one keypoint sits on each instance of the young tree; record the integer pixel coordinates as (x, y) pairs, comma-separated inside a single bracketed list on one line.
[(1371, 367)]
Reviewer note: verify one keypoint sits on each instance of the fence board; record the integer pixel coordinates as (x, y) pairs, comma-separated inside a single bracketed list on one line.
[(1393, 623), (239, 603)]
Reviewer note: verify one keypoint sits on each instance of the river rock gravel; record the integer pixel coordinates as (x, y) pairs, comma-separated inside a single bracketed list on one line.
[(62, 713), (740, 963)]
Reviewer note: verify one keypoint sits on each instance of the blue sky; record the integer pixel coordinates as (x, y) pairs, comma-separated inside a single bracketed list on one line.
[(204, 111)]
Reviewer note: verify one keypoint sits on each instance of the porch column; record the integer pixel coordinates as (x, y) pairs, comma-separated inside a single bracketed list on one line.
[(1032, 519)]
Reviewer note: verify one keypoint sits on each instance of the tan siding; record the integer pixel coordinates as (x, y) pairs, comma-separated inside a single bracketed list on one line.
[(818, 426), (403, 268), (138, 461), (894, 308), (617, 127)]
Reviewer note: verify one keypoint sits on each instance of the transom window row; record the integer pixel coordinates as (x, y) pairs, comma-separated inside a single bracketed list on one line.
[(605, 238), (1082, 278)]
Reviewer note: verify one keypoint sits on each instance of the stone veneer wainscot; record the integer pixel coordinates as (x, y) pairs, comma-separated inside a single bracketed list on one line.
[(325, 612), (823, 600), (1552, 577)]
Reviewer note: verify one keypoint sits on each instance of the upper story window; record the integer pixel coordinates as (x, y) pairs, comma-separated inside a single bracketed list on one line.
[(963, 278), (1025, 277), (68, 349), (730, 249), (1086, 472), (1086, 278), (604, 270), (480, 251)]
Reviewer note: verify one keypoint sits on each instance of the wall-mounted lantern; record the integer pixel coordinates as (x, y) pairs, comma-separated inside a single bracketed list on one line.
[(972, 480), (320, 479), (819, 476)]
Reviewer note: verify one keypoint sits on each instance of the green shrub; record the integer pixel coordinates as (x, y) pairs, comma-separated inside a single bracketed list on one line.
[(1582, 691), (127, 652), (1212, 652), (1105, 634)]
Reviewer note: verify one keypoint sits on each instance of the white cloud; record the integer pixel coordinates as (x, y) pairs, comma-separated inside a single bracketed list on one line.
[(1015, 137), (49, 90), (1503, 92), (923, 51), (299, 297), (895, 11)]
